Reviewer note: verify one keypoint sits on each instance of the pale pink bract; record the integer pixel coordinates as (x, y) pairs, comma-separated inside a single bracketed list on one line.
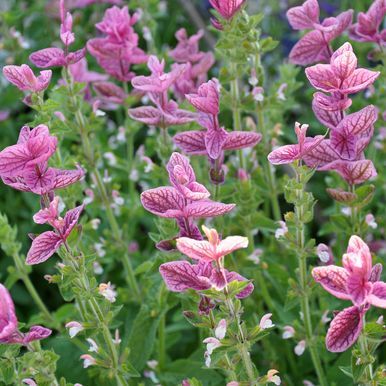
[(357, 281)]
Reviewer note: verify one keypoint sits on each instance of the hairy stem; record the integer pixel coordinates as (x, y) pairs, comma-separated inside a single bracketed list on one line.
[(304, 297), (89, 154), (364, 346)]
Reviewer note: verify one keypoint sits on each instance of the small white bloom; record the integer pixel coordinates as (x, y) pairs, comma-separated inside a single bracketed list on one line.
[(211, 344), (325, 318), (93, 345), (280, 92), (74, 328), (346, 211), (152, 364), (255, 256), (99, 249), (88, 360), (110, 157), (266, 322), (370, 221), (117, 340), (98, 270), (208, 359), (108, 291), (288, 332), (273, 377), (134, 175), (121, 136), (221, 329), (282, 231), (95, 222), (380, 320), (300, 347)]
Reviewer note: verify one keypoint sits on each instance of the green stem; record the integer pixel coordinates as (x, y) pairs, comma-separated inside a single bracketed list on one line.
[(236, 113), (364, 346), (243, 344), (19, 264), (161, 343), (304, 300), (355, 216), (269, 172), (93, 305), (117, 234)]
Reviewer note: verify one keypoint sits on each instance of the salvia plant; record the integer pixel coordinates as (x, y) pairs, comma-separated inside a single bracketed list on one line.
[(165, 217)]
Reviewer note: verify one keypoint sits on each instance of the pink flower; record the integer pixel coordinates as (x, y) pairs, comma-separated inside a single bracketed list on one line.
[(88, 360), (272, 377), (290, 153), (314, 46), (288, 332), (66, 34), (166, 113), (74, 328), (182, 275), (341, 75), (300, 348), (25, 80), (367, 27), (226, 8), (24, 166), (47, 243), (324, 253), (118, 50), (213, 249), (51, 57), (185, 201), (9, 333), (197, 63), (214, 140), (357, 281), (343, 152)]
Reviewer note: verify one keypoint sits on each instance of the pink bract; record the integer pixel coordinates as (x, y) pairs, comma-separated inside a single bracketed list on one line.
[(213, 249), (289, 153), (47, 243), (341, 75), (357, 281), (226, 8), (185, 201), (24, 166), (25, 80), (314, 46), (367, 28)]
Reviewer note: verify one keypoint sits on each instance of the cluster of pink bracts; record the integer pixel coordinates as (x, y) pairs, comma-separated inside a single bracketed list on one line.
[(24, 166)]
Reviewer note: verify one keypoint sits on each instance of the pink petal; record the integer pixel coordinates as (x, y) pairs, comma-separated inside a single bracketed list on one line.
[(305, 16), (344, 329), (338, 25), (207, 98), (205, 209), (197, 249), (214, 141), (354, 172), (39, 183), (378, 295), (195, 191), (333, 279), (330, 103), (241, 139), (311, 48), (163, 202), (7, 314), (191, 142), (177, 160), (63, 178), (321, 155), (36, 333), (360, 249), (344, 64), (344, 144), (71, 219), (359, 122), (358, 81), (323, 78), (230, 244), (330, 118), (75, 57), (146, 114), (341, 196), (48, 57), (111, 91), (358, 287), (284, 155), (43, 247), (181, 275), (375, 274), (178, 117)]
